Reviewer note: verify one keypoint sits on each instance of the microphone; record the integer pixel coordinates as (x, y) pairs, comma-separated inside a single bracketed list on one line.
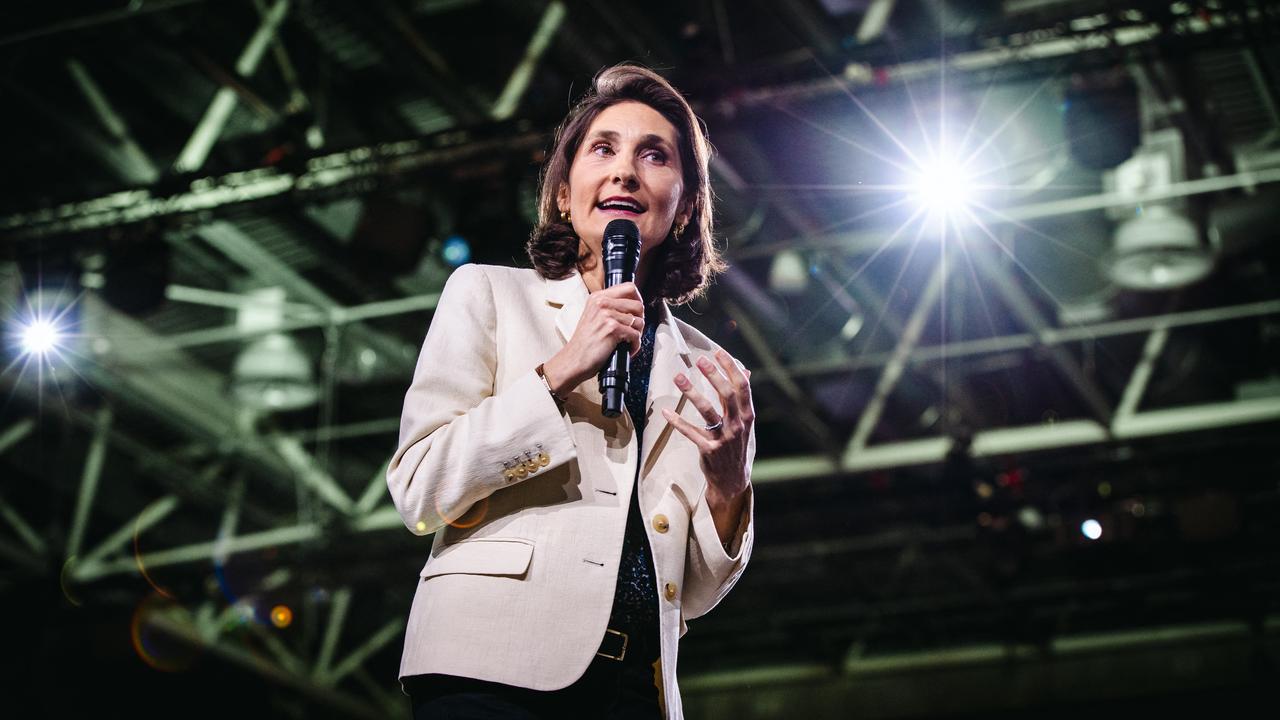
[(621, 249)]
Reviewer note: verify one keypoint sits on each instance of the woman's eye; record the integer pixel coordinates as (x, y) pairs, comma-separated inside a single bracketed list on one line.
[(601, 149), (656, 156)]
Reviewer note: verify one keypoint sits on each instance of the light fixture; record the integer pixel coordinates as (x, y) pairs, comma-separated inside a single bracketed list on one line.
[(1091, 529), (271, 373), (942, 187), (789, 273), (1155, 245), (39, 337), (1158, 249), (456, 251)]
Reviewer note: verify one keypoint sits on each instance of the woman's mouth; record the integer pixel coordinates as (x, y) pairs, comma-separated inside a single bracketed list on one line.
[(620, 206)]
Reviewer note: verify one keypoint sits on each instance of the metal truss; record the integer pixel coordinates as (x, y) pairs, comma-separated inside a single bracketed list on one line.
[(351, 171)]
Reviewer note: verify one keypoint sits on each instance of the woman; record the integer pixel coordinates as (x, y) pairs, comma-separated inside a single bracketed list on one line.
[(570, 548)]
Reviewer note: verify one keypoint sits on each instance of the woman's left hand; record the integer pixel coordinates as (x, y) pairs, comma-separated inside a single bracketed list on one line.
[(722, 443)]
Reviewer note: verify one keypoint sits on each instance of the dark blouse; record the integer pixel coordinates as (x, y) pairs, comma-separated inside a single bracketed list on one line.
[(635, 599)]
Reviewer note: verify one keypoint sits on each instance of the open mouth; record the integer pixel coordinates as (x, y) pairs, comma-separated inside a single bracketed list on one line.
[(622, 205)]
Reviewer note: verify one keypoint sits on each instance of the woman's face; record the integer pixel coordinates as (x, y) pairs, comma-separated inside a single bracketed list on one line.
[(628, 166)]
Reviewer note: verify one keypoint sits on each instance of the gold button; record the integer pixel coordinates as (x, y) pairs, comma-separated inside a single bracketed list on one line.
[(544, 459), (670, 591), (660, 523), (529, 466), (509, 474), (521, 472)]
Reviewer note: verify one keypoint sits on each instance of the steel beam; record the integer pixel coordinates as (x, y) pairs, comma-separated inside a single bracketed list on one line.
[(897, 363), (244, 251), (801, 404), (505, 106), (134, 163), (375, 491), (874, 20), (24, 530), (1025, 439), (148, 517), (89, 477), (385, 518), (338, 606), (219, 111), (1025, 310), (866, 241), (309, 472), (349, 170), (1137, 384), (16, 433), (390, 631), (177, 623)]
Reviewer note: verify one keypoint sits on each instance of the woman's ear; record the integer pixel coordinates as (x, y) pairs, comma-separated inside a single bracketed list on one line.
[(684, 213), (562, 198)]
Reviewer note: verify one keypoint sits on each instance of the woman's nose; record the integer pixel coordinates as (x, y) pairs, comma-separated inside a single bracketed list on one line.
[(624, 173)]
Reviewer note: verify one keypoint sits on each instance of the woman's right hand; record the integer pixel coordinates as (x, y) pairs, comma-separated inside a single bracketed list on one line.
[(611, 316)]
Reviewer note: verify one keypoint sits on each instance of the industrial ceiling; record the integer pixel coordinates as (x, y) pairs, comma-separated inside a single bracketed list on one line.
[(1015, 455)]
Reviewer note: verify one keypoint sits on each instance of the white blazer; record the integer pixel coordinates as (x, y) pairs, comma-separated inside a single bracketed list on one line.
[(519, 585)]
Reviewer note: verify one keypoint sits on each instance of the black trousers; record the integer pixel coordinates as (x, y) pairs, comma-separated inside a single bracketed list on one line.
[(627, 689)]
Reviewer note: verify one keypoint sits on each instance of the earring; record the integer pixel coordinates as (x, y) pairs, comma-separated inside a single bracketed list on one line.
[(677, 230), (564, 216)]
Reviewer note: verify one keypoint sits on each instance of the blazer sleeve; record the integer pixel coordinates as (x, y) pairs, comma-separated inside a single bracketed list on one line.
[(455, 431), (710, 570)]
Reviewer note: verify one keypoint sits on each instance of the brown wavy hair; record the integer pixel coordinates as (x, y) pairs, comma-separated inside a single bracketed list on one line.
[(683, 268)]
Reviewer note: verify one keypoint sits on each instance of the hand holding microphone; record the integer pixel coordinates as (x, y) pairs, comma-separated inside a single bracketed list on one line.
[(612, 323)]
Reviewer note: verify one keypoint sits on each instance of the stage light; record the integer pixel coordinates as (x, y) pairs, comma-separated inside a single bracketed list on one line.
[(456, 251), (272, 372), (40, 336), (281, 616), (1091, 529), (942, 187)]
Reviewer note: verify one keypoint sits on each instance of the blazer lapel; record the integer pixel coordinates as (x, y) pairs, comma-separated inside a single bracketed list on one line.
[(570, 295), (670, 356)]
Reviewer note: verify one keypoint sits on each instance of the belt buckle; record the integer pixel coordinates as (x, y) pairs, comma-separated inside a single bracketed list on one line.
[(621, 654)]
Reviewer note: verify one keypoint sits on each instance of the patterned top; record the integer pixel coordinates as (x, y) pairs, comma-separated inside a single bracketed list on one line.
[(635, 599)]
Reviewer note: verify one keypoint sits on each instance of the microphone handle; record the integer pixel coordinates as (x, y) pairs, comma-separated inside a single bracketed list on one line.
[(613, 381), (613, 376)]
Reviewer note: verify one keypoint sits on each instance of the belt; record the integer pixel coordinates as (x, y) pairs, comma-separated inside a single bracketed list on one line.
[(614, 645)]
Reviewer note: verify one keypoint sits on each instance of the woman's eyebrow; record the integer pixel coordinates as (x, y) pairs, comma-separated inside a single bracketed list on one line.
[(646, 140), (652, 139)]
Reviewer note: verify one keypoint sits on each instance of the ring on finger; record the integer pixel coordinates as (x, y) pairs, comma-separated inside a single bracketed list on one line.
[(714, 426)]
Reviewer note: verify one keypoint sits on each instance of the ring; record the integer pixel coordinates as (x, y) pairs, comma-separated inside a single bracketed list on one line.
[(632, 322), (716, 426)]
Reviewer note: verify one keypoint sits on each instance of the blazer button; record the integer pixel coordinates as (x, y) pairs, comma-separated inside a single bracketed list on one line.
[(670, 591), (660, 523)]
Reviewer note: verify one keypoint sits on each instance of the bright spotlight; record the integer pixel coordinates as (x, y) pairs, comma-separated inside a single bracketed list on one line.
[(1091, 529), (39, 337), (942, 187)]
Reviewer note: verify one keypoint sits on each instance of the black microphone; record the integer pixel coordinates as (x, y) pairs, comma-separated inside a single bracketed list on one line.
[(621, 249)]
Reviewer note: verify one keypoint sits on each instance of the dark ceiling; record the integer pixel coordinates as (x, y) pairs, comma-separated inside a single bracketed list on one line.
[(937, 416)]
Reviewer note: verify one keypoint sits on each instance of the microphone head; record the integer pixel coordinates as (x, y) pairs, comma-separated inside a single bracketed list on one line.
[(621, 249)]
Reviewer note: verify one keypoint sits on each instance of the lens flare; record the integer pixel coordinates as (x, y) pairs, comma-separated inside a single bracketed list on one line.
[(158, 649), (40, 336), (281, 616), (942, 187)]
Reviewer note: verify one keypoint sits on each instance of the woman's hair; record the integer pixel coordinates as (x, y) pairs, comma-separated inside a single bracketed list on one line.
[(681, 268)]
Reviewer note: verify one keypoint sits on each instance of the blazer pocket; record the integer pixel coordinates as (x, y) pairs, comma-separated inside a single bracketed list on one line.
[(481, 556)]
